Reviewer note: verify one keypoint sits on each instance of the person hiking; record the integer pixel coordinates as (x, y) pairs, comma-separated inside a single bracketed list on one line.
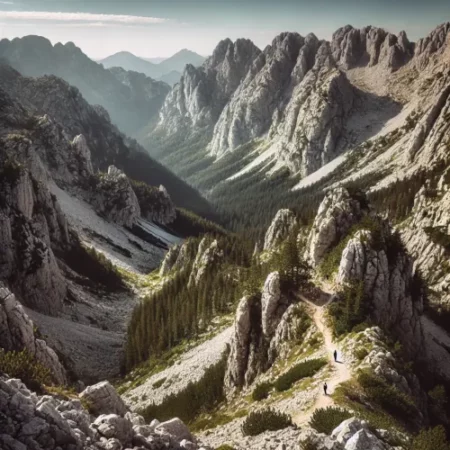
[(325, 387), (335, 356)]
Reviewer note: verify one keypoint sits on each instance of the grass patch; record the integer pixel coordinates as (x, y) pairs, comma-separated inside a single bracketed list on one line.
[(24, 365), (209, 421), (302, 370)]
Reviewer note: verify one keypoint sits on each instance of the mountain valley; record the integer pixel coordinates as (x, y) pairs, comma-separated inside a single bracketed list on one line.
[(252, 256)]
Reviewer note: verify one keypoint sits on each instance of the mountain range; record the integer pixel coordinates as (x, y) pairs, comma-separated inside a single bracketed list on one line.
[(256, 257), (168, 70)]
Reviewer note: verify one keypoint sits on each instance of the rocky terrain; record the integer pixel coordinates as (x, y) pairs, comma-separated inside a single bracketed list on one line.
[(346, 141)]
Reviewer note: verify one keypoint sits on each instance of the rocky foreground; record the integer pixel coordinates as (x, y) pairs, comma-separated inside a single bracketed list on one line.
[(98, 419)]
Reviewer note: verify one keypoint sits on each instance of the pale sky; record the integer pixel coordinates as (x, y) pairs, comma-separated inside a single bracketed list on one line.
[(154, 28)]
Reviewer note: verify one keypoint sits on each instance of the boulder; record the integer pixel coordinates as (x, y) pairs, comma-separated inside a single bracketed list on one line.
[(114, 426), (175, 428), (363, 440), (104, 399)]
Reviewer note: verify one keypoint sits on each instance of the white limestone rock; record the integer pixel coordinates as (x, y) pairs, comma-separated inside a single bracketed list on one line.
[(104, 399), (337, 213), (176, 428), (115, 199), (282, 225)]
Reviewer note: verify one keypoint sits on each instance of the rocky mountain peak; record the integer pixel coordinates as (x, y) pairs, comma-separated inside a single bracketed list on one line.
[(282, 225), (433, 43), (370, 46), (337, 213)]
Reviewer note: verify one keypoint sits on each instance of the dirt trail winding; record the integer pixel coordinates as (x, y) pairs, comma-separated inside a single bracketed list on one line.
[(340, 372)]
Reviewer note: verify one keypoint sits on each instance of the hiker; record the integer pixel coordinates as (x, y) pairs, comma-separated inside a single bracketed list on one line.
[(325, 387), (335, 356)]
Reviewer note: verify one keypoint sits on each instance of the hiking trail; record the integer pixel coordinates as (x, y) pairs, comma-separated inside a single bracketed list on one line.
[(340, 371)]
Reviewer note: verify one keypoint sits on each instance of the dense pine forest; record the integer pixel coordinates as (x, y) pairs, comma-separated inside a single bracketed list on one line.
[(182, 309)]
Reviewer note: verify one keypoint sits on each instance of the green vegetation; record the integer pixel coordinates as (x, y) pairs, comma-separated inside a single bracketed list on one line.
[(215, 419), (187, 223), (151, 200), (349, 310), (201, 396), (301, 370), (309, 444), (10, 171), (439, 236), (180, 309), (261, 391), (158, 383), (325, 420), (94, 266), (24, 365), (432, 439), (265, 420), (225, 447), (387, 396)]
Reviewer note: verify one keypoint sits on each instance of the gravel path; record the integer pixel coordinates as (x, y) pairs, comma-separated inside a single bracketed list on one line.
[(340, 372)]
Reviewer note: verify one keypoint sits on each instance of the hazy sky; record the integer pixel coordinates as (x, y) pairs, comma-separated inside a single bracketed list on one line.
[(153, 28)]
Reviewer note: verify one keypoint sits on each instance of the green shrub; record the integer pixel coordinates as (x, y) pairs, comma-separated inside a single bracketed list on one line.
[(225, 447), (24, 365), (94, 266), (265, 420), (432, 439), (201, 396), (387, 396), (361, 353), (309, 444), (302, 370), (158, 383), (261, 391), (325, 420), (349, 310)]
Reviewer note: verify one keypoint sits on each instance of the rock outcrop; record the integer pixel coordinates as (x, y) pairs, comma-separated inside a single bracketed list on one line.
[(389, 283), (209, 254), (282, 225), (103, 399), (17, 333), (261, 328), (431, 44), (29, 421), (198, 99), (337, 213), (115, 199), (370, 46), (31, 227)]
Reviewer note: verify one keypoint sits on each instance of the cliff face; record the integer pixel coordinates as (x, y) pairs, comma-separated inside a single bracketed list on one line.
[(264, 328), (198, 99), (337, 213), (389, 285), (17, 332)]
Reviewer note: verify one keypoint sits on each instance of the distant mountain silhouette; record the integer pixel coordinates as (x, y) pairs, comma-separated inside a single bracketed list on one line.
[(168, 70)]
